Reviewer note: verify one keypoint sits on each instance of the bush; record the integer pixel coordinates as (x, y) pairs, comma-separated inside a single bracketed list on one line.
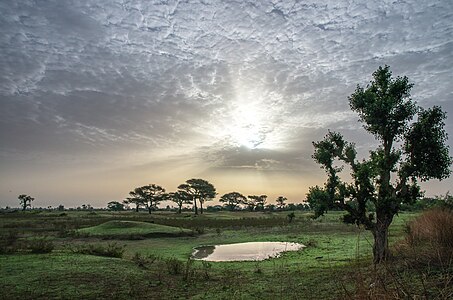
[(8, 242), (41, 245), (111, 250), (174, 266), (142, 260)]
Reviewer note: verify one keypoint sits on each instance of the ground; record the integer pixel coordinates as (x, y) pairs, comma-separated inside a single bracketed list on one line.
[(118, 255)]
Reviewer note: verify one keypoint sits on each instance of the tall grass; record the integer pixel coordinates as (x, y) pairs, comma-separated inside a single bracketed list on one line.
[(421, 268), (434, 227)]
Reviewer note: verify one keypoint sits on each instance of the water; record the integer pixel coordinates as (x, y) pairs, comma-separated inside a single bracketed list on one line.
[(251, 251)]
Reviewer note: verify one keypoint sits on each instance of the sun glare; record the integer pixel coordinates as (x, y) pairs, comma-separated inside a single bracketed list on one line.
[(247, 129)]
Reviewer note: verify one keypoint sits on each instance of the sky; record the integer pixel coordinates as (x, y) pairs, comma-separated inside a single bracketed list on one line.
[(98, 97)]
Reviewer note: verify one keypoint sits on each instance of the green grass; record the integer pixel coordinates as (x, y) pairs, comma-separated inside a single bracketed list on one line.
[(121, 228), (334, 253)]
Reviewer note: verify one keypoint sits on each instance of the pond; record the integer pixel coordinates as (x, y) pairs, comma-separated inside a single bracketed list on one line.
[(251, 251)]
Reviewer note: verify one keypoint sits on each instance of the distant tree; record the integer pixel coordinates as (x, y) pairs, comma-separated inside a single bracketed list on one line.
[(135, 199), (148, 195), (409, 151), (60, 207), (292, 206), (261, 202), (270, 207), (281, 202), (232, 200), (252, 202), (25, 201), (200, 190), (115, 206), (180, 198), (255, 202)]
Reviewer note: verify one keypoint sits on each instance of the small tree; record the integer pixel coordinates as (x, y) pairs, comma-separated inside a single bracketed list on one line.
[(199, 189), (408, 151), (232, 200), (281, 202), (25, 201), (180, 198), (115, 206)]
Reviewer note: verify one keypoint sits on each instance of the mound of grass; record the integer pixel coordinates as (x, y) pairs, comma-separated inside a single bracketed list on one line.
[(132, 230)]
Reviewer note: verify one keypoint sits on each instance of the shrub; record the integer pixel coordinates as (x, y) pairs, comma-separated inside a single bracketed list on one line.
[(40, 245), (142, 260), (174, 266), (110, 250), (8, 242)]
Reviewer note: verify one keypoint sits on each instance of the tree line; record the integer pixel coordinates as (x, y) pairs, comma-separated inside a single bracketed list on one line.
[(195, 192)]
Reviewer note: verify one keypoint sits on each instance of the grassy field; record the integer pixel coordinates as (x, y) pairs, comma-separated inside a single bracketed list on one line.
[(124, 255)]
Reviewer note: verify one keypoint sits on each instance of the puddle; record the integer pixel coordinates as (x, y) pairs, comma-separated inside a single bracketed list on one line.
[(251, 251)]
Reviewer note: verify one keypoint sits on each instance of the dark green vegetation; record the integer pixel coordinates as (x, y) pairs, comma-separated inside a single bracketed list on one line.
[(409, 150), (48, 255)]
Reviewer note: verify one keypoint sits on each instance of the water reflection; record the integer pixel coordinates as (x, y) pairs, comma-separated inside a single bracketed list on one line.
[(244, 251)]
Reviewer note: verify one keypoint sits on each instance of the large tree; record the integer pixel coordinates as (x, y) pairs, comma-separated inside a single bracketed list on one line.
[(233, 199), (25, 201), (200, 190), (412, 147)]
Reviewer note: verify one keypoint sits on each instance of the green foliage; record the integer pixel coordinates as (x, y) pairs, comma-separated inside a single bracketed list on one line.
[(386, 110)]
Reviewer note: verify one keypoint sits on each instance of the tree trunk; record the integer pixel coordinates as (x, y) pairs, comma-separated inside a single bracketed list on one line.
[(380, 233), (136, 208), (180, 209), (149, 209), (195, 206), (201, 207)]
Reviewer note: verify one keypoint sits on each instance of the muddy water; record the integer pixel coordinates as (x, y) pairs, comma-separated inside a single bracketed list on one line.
[(251, 251)]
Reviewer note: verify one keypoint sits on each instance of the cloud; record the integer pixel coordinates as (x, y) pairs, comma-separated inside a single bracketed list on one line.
[(238, 84)]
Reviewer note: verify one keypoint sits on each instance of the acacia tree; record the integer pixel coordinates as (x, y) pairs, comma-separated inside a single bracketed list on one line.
[(198, 189), (409, 150), (281, 202), (180, 198), (256, 202), (148, 195), (25, 201), (233, 199), (135, 199)]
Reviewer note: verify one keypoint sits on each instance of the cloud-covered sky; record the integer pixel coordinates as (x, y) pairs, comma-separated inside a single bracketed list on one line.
[(100, 96)]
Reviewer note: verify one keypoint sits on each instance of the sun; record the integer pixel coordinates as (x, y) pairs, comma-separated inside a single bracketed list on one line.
[(247, 128)]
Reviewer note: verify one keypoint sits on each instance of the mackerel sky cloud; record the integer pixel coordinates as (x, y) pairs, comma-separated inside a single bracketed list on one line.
[(100, 96)]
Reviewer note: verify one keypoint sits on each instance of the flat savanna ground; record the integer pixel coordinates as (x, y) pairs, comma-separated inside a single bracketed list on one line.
[(153, 261)]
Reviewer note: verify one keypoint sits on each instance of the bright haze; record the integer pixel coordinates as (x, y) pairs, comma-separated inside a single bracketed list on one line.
[(98, 97)]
